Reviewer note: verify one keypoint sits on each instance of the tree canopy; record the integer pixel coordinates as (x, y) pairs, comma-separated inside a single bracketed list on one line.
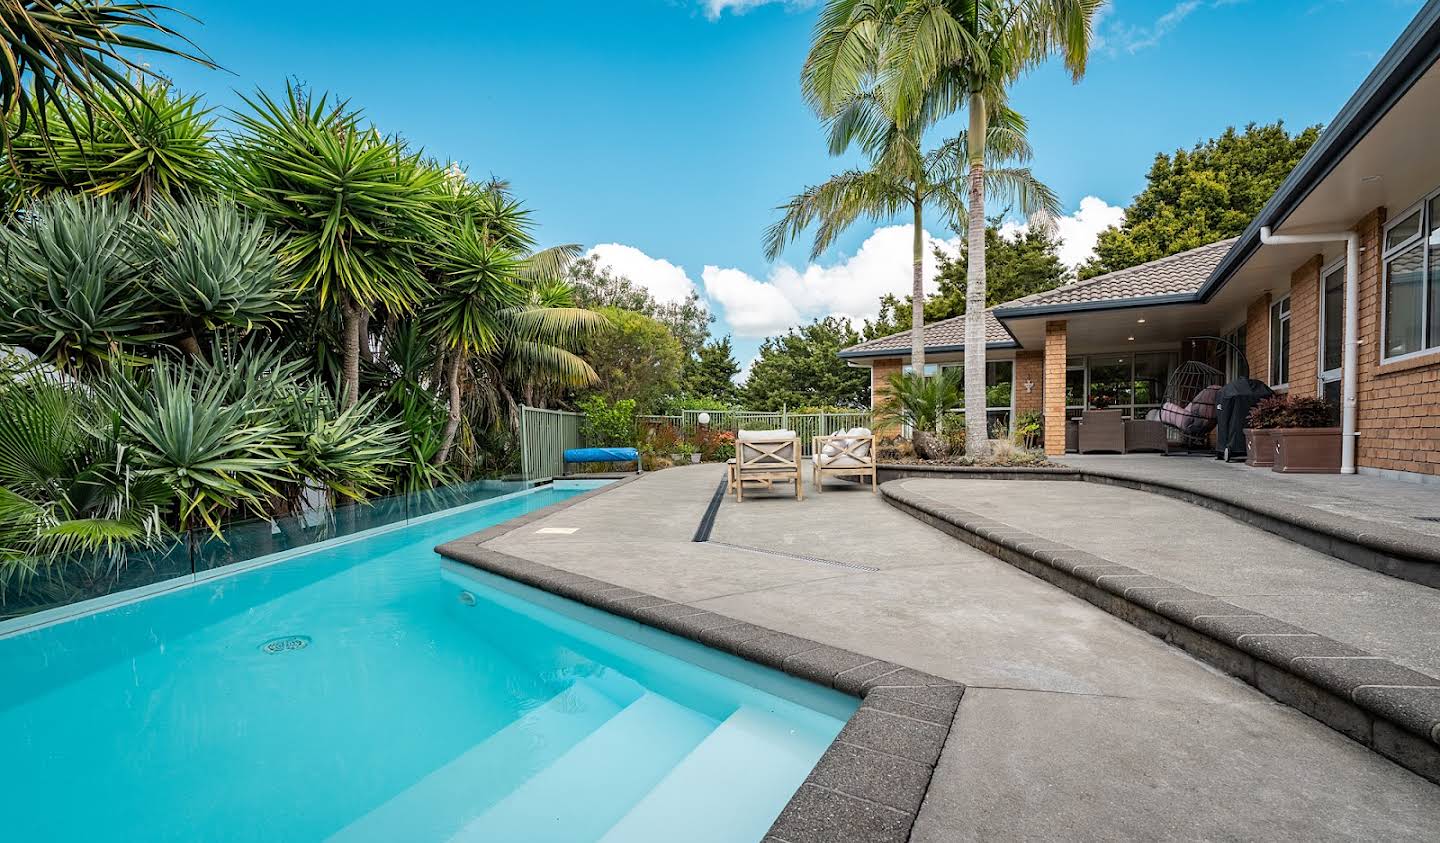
[(710, 374), (635, 357), (802, 368), (1020, 265), (598, 286), (1197, 196)]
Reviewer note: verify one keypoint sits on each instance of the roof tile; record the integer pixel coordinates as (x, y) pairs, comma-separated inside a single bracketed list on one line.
[(1176, 274)]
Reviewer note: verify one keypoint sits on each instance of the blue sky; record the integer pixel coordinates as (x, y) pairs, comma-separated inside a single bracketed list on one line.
[(664, 132)]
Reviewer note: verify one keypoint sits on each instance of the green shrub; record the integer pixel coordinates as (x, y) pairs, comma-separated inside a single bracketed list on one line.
[(607, 424)]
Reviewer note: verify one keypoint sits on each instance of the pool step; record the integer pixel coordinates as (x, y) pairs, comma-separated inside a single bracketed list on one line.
[(730, 787), (436, 806), (589, 788)]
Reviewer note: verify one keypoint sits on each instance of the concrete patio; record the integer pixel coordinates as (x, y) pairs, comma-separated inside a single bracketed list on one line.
[(1074, 724)]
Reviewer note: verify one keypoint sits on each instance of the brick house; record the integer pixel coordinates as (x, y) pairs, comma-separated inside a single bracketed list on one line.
[(1332, 290)]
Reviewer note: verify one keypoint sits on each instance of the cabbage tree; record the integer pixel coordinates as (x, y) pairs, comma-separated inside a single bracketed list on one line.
[(352, 208)]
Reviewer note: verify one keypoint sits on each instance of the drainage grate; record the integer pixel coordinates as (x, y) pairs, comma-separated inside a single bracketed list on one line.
[(801, 556), (286, 644)]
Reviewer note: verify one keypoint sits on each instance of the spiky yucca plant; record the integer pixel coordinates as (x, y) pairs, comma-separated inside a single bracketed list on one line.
[(56, 55), (352, 207), (71, 284), (147, 144), (212, 266)]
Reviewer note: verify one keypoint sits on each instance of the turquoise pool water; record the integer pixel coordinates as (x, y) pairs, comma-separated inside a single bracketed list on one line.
[(364, 692)]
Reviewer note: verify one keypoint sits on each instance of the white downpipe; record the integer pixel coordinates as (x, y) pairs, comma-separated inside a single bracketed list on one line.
[(1350, 341)]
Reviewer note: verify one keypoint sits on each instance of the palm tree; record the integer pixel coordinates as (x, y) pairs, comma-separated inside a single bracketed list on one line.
[(494, 299), (353, 208), (903, 178), (934, 57), (57, 54)]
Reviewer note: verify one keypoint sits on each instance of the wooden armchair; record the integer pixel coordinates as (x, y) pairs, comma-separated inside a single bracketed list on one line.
[(844, 454), (766, 456)]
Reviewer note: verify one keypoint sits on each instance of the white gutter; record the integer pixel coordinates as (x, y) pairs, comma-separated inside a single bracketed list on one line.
[(1350, 342)]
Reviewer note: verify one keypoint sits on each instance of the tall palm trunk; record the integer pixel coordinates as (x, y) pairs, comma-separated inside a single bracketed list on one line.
[(917, 295), (350, 393), (977, 441), (452, 425)]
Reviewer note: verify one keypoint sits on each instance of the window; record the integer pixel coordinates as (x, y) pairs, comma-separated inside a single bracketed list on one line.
[(999, 390), (1280, 342), (1133, 383), (1412, 281), (930, 369), (1332, 323), (1236, 365)]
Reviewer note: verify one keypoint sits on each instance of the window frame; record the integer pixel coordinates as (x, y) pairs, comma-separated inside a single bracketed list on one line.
[(1280, 349), (1323, 375), (1422, 207)]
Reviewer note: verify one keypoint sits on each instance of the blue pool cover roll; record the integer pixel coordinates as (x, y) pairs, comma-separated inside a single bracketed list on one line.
[(602, 455)]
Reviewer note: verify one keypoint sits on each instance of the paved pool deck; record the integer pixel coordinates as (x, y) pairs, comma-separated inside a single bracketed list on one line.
[(1073, 725)]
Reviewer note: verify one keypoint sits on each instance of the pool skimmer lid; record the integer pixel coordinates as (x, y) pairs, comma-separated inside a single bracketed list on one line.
[(285, 644)]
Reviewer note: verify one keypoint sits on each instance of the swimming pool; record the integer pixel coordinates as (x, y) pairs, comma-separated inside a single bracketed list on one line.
[(358, 692)]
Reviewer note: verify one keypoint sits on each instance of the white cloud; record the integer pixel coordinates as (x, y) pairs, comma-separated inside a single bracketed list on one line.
[(752, 308), (1079, 231), (1117, 36), (665, 281), (715, 8), (850, 288)]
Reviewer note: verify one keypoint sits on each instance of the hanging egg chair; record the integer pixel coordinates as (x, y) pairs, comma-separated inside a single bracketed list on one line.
[(1191, 397)]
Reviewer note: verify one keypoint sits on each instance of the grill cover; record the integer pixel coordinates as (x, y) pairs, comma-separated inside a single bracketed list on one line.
[(1233, 406)]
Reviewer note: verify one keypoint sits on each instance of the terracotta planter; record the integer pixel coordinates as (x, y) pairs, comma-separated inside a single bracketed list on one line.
[(1259, 448), (1307, 450)]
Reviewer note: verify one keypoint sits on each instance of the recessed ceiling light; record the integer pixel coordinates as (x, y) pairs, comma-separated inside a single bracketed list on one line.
[(1140, 321), (1132, 339)]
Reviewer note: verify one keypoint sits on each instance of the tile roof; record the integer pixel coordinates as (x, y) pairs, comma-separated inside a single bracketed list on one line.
[(1178, 274), (947, 333)]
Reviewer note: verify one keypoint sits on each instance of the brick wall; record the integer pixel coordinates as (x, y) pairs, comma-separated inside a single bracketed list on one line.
[(1029, 366), (1305, 328), (1257, 338), (880, 372), (1398, 412), (1053, 396)]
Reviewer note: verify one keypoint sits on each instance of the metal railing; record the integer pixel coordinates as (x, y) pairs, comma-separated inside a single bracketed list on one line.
[(806, 425), (545, 435)]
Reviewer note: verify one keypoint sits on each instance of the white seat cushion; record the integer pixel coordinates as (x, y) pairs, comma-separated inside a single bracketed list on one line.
[(765, 435), (840, 461)]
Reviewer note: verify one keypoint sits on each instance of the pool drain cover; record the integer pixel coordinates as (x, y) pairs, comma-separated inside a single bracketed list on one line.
[(286, 644)]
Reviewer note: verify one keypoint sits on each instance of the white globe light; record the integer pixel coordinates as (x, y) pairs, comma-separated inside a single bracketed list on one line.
[(704, 418)]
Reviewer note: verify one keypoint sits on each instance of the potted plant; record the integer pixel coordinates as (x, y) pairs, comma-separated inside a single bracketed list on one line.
[(1302, 429)]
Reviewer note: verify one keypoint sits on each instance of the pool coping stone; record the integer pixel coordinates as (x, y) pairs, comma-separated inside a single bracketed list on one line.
[(869, 784)]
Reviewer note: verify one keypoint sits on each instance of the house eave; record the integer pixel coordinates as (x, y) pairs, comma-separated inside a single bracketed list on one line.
[(1091, 306), (1408, 59), (867, 354)]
